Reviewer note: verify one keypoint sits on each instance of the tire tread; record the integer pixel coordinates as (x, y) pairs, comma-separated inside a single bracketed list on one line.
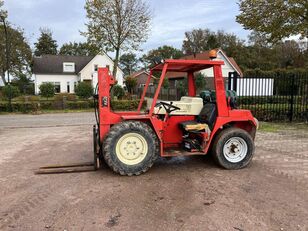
[(217, 146), (114, 132)]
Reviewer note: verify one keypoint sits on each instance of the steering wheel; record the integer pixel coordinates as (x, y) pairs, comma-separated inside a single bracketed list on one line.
[(169, 107)]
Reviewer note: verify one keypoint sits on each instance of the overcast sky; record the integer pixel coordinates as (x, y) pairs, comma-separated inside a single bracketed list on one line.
[(171, 19)]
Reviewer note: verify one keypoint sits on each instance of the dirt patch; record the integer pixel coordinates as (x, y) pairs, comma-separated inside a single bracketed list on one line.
[(187, 193)]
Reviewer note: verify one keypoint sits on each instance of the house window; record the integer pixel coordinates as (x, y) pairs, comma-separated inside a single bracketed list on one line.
[(69, 67), (68, 87), (95, 67), (75, 85), (57, 87)]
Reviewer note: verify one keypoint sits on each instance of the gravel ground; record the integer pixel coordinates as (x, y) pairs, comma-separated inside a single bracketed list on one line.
[(187, 193)]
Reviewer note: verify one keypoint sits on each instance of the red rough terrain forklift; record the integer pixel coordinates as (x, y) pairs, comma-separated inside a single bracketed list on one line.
[(130, 142)]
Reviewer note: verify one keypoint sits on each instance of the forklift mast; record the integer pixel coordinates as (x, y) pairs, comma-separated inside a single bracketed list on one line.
[(105, 83)]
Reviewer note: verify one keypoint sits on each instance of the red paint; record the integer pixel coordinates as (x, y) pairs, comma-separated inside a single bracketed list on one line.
[(191, 84), (173, 135)]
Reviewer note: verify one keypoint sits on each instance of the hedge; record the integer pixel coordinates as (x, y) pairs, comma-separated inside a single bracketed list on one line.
[(19, 107), (25, 107), (277, 112), (275, 73), (267, 99), (124, 105), (67, 96)]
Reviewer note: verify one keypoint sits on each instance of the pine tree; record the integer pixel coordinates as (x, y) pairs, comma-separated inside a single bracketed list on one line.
[(79, 49), (45, 45)]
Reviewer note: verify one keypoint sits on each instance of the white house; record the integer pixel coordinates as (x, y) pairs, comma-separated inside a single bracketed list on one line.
[(229, 66), (65, 72)]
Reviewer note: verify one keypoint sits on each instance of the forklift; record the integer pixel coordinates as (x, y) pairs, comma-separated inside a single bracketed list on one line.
[(130, 142)]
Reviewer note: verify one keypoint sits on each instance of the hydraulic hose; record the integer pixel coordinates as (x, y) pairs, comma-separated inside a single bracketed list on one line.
[(95, 100)]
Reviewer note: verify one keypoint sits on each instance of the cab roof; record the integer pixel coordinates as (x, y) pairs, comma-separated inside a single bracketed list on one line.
[(182, 65)]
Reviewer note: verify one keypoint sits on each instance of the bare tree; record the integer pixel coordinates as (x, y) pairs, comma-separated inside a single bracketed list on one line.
[(117, 25)]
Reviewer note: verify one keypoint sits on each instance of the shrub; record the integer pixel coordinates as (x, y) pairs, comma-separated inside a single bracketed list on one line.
[(1, 93), (69, 97), (125, 105), (12, 91), (84, 90), (46, 105), (118, 91), (47, 90), (33, 98), (79, 105)]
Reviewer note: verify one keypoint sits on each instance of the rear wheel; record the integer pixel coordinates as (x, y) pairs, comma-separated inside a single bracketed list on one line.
[(233, 148), (131, 148)]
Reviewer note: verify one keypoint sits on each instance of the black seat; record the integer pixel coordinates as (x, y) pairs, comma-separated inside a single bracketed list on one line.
[(207, 116)]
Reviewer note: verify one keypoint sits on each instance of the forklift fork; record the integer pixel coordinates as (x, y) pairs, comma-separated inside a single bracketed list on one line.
[(76, 167)]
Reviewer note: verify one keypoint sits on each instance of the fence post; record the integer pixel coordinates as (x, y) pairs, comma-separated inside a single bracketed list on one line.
[(292, 99), (235, 76), (64, 99), (229, 80)]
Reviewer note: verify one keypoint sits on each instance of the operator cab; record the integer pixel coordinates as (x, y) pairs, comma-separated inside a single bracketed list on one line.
[(205, 113), (190, 118)]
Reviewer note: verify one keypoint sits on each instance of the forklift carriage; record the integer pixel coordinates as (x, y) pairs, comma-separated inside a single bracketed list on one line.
[(130, 142)]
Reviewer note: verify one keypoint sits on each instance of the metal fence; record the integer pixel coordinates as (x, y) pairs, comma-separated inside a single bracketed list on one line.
[(281, 98)]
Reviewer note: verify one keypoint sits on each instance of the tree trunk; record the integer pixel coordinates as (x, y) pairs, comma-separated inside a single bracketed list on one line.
[(2, 74), (116, 62)]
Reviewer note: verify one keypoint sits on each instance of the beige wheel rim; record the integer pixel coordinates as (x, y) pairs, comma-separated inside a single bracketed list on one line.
[(131, 148)]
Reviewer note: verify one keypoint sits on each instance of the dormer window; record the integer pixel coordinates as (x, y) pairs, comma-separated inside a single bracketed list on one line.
[(69, 67)]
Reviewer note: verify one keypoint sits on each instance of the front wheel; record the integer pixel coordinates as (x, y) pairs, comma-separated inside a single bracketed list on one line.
[(131, 148), (233, 148)]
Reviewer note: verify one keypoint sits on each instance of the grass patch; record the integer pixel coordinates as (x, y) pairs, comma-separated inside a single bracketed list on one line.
[(276, 127)]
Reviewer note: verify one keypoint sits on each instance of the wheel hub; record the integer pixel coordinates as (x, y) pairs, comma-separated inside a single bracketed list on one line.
[(131, 148), (235, 149)]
